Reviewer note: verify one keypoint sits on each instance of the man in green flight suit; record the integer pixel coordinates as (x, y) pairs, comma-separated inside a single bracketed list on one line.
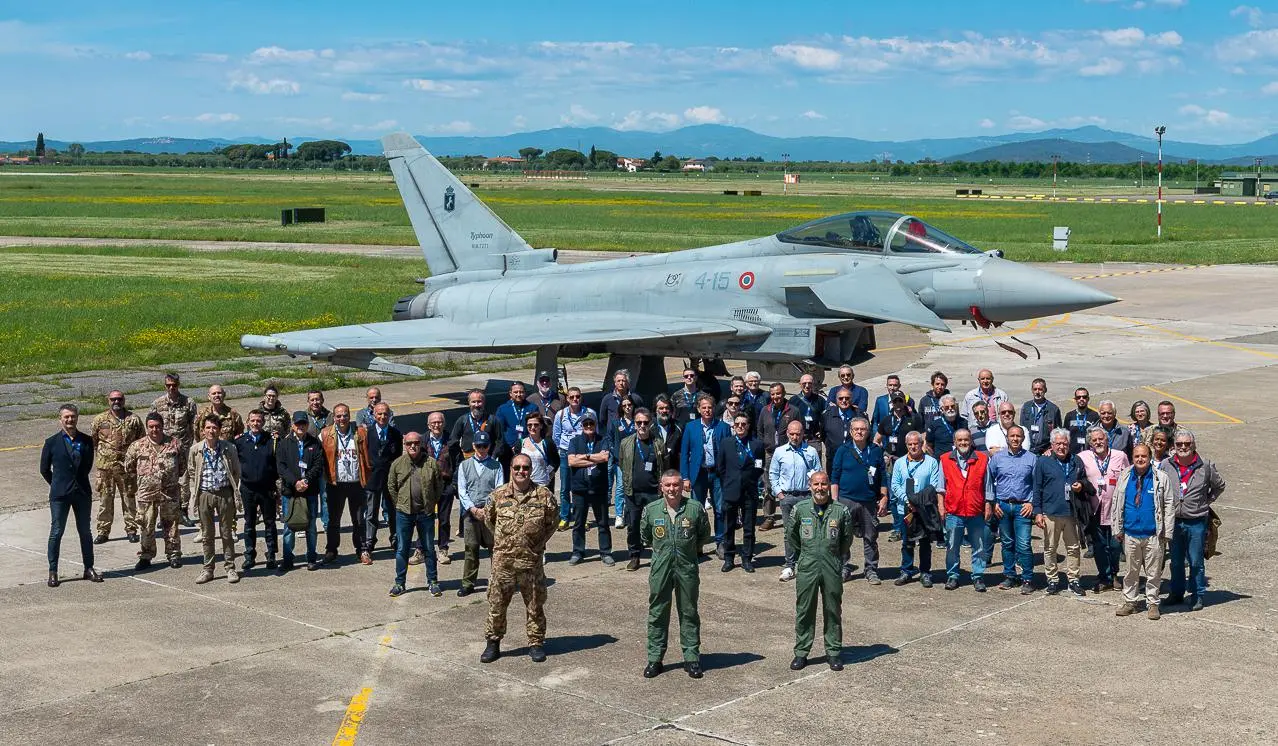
[(821, 531), (676, 528)]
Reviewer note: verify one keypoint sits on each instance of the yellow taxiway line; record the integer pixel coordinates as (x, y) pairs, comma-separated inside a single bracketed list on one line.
[(1230, 419)]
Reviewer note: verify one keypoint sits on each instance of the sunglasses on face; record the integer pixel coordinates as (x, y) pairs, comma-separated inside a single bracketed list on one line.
[(843, 398), (413, 444), (1184, 445), (520, 468), (117, 398), (574, 397), (1006, 413), (642, 423), (1081, 396)]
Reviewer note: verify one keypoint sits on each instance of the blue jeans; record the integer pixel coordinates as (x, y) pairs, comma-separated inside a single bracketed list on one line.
[(59, 509), (907, 556), (898, 518), (312, 508), (956, 529), (707, 485), (565, 495), (425, 525), (1188, 544), (323, 503), (618, 497), (1014, 534), (1105, 551)]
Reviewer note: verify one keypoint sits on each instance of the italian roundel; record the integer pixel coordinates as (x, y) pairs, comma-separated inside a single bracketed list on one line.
[(746, 280)]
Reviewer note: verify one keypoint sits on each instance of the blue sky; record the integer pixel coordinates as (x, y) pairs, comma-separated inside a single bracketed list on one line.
[(1208, 69)]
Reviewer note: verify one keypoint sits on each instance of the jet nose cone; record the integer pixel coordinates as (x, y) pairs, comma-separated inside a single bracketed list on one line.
[(1015, 291)]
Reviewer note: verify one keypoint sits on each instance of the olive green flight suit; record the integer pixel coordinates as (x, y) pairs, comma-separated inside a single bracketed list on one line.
[(821, 537), (676, 547)]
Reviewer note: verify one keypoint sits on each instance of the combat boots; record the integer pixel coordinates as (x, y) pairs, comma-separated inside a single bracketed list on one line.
[(491, 652)]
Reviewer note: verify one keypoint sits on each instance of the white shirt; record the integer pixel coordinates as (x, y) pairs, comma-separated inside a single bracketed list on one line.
[(347, 456), (537, 453), (995, 438)]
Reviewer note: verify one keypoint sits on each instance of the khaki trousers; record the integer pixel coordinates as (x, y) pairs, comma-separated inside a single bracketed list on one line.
[(217, 506), (1062, 529), (1143, 555)]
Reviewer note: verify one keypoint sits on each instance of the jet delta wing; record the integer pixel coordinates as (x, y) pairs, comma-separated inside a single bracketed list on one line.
[(807, 296)]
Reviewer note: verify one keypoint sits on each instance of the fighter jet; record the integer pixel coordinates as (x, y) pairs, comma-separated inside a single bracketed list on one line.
[(806, 297)]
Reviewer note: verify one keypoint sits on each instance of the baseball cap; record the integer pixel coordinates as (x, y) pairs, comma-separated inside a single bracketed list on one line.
[(898, 396), (482, 438), (545, 374), (589, 417), (300, 416)]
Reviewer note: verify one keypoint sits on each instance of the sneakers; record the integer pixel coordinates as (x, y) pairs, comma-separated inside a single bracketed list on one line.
[(787, 574), (1077, 590), (978, 585), (1053, 587), (1007, 584), (951, 583), (396, 590), (925, 580), (608, 560), (902, 579), (365, 558), (204, 577), (1127, 609), (619, 522), (1153, 612), (872, 577), (894, 536), (846, 575), (1196, 604), (444, 558), (1027, 588), (563, 525), (232, 576), (435, 590), (417, 558), (575, 559), (633, 564)]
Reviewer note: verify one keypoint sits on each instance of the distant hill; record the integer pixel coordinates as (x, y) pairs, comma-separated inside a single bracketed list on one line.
[(1078, 152), (1078, 144)]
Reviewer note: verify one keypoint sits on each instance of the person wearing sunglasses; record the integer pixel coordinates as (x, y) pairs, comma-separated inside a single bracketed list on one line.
[(414, 483), (567, 426), (1199, 484), (847, 382), (1166, 422), (1080, 420), (739, 465), (685, 399), (113, 431), (642, 458), (1039, 417), (588, 464), (521, 518)]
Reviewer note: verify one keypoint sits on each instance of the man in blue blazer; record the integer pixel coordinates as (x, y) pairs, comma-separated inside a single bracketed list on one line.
[(739, 466), (696, 462), (65, 464)]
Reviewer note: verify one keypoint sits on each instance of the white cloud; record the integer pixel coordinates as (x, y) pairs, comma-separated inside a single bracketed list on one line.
[(282, 55), (138, 56), (812, 58), (810, 114), (578, 115), (1024, 122), (211, 57), (650, 120), (703, 115), (382, 126), (586, 46), (1255, 16), (320, 123), (1253, 45), (255, 85), (987, 123), (361, 96), (1102, 66), (456, 127), (441, 88), (1212, 117), (1172, 3), (208, 117), (519, 122), (1270, 89), (1123, 37), (1167, 39)]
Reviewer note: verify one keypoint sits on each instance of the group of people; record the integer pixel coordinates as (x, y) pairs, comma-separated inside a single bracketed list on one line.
[(700, 465)]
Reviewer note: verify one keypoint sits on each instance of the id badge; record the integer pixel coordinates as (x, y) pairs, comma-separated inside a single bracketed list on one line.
[(647, 466), (590, 469), (519, 429), (758, 463), (1033, 428), (301, 465), (872, 470), (893, 440), (692, 416), (807, 418), (1081, 441)]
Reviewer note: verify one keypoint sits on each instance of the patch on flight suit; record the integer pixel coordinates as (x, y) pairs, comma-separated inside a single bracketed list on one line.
[(685, 526), (659, 528)]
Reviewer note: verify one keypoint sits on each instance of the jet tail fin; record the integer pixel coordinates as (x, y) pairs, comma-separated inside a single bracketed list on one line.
[(454, 228)]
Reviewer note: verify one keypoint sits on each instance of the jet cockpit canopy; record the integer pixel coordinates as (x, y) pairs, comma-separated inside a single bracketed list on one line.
[(878, 232)]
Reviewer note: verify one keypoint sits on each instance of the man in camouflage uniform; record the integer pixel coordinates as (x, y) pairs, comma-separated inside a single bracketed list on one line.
[(521, 516), (821, 533), (276, 420), (178, 411), (112, 432), (676, 528), (153, 463), (232, 422)]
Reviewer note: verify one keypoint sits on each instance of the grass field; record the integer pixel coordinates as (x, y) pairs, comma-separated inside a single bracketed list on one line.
[(73, 308), (609, 214)]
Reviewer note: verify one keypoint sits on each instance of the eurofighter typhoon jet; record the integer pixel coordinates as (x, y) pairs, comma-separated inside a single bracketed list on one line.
[(806, 297)]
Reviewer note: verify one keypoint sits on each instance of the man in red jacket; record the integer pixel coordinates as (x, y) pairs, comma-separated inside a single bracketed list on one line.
[(963, 508)]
